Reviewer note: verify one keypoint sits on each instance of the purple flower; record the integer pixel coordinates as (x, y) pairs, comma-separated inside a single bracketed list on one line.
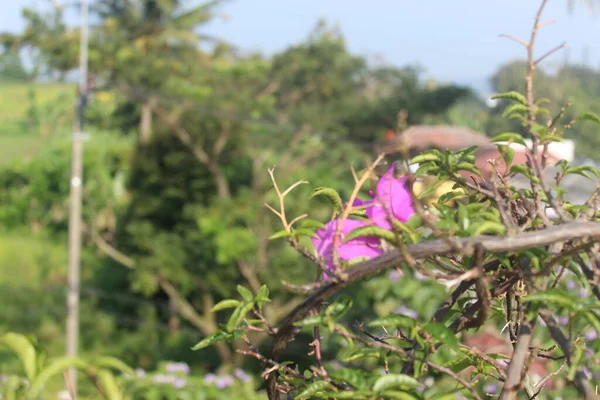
[(392, 199), (394, 275), (596, 375), (367, 247), (224, 382), (242, 375), (571, 285), (563, 320), (174, 368), (403, 310), (161, 378), (490, 388), (179, 383), (591, 335), (583, 293), (210, 378)]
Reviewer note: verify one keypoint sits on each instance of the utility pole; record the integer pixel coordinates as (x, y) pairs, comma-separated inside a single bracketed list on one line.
[(72, 327)]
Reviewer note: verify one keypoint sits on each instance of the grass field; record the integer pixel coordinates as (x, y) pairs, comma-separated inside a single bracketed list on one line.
[(30, 114)]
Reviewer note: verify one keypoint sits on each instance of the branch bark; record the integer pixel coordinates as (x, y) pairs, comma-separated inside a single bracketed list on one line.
[(490, 244)]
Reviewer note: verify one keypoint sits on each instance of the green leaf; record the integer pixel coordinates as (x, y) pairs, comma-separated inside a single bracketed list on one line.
[(425, 157), (311, 320), (350, 394), (488, 227), (280, 234), (395, 381), (589, 116), (224, 304), (245, 293), (396, 395), (54, 368), (354, 377), (552, 296), (109, 385), (24, 349), (464, 166), (509, 137), (515, 110), (113, 363), (312, 223), (370, 231), (362, 353), (337, 310), (459, 364), (313, 388), (581, 170), (393, 320), (512, 95), (304, 232), (331, 195), (263, 294), (211, 339), (593, 319), (238, 315), (442, 334), (508, 154)]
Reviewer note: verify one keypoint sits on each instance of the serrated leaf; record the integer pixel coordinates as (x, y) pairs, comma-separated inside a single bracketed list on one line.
[(508, 154), (395, 381), (245, 293), (425, 157), (332, 195), (442, 334), (512, 95), (313, 388), (393, 320), (224, 304), (509, 137), (515, 110), (25, 351), (211, 339)]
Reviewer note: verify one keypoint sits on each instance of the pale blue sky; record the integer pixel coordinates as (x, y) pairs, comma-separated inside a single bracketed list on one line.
[(453, 39)]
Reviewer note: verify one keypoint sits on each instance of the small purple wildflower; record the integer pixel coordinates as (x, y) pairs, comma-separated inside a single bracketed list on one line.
[(583, 293), (242, 375), (175, 367), (224, 382), (394, 276), (563, 320), (596, 375), (571, 285), (591, 335), (490, 388), (210, 378), (179, 383), (162, 378), (587, 372), (403, 310)]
